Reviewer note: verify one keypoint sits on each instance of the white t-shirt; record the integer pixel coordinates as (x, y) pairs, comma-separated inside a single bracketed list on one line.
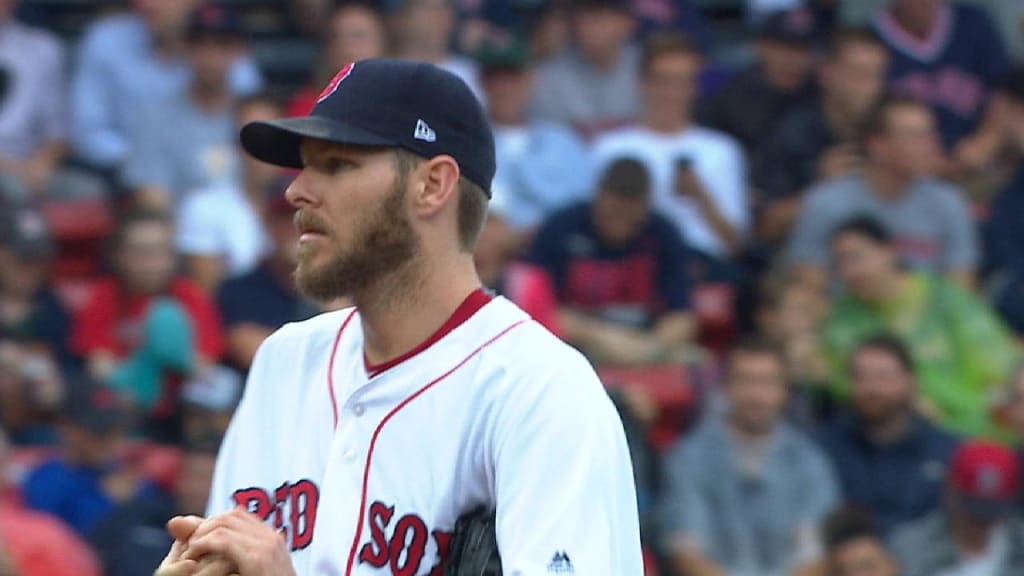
[(991, 561), (717, 160), (366, 474), (221, 221)]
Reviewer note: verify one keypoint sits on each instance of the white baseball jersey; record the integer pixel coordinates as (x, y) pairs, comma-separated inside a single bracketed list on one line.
[(367, 469)]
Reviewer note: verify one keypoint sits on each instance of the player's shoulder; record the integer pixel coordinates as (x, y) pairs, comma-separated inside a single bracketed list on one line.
[(529, 357), (295, 335)]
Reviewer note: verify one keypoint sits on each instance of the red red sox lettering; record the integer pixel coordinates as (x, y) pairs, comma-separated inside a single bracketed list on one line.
[(403, 552), (300, 499), (294, 506)]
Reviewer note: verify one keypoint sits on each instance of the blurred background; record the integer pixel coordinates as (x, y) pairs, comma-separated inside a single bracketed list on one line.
[(789, 234)]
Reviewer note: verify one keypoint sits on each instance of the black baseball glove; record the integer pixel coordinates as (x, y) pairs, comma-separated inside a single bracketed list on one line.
[(473, 550)]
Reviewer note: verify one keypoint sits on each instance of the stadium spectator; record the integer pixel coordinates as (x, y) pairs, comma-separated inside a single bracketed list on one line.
[(187, 140), (133, 539), (34, 544), (592, 84), (33, 114), (929, 218), (619, 272), (750, 105), (127, 61), (952, 57), (789, 315), (143, 327), (854, 547), (220, 230), (542, 166), (819, 141), (424, 30), (1003, 233), (698, 175), (33, 328), (979, 529), (961, 349), (87, 479), (745, 492), (890, 460), (355, 31), (208, 402), (255, 304)]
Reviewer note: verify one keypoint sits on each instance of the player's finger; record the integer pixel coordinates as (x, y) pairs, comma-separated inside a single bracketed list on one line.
[(177, 568), (182, 527), (216, 566), (175, 552), (221, 541)]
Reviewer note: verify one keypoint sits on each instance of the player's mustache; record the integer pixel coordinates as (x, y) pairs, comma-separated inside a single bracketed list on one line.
[(307, 222)]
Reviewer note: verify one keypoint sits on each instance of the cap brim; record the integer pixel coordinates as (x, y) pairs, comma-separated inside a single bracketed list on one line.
[(277, 141)]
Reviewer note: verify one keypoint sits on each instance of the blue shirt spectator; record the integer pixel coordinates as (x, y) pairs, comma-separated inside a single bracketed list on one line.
[(120, 69), (84, 484), (891, 461), (954, 66), (255, 304), (619, 272), (542, 166)]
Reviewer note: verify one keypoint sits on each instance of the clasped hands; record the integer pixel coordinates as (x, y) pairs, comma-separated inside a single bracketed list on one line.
[(236, 543)]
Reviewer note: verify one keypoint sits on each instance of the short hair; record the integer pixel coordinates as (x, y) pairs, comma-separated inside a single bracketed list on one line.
[(370, 6), (848, 36), (864, 226), (664, 43), (847, 525), (876, 120), (888, 344), (626, 178), (472, 209), (755, 346), (136, 216)]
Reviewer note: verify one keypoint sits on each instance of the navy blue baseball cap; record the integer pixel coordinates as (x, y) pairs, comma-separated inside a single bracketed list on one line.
[(387, 103)]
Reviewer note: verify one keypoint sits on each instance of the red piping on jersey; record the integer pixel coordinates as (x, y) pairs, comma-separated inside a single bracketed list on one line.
[(474, 302), (330, 367), (384, 421)]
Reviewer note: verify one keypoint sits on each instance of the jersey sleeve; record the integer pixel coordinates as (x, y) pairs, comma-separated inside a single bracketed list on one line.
[(566, 500)]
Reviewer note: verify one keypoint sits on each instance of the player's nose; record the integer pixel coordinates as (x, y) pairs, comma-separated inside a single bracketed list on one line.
[(299, 193)]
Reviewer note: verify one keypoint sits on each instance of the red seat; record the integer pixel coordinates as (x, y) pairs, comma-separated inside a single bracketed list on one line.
[(667, 385), (714, 308), (78, 227)]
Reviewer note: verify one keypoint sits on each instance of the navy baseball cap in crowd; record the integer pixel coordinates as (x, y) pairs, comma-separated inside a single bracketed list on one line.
[(387, 103), (796, 26), (215, 20)]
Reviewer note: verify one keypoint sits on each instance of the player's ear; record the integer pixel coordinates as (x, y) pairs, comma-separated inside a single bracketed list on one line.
[(439, 185)]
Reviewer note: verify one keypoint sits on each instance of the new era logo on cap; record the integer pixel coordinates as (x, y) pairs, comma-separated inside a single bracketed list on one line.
[(424, 132)]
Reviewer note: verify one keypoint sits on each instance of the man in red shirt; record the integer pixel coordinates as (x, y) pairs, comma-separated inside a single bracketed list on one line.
[(144, 328)]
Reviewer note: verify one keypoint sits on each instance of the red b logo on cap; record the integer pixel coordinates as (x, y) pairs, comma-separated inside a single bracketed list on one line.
[(333, 84)]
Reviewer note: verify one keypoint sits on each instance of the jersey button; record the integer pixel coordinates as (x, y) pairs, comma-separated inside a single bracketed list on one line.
[(350, 455), (358, 409)]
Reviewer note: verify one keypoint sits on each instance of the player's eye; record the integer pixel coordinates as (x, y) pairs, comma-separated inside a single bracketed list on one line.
[(335, 165)]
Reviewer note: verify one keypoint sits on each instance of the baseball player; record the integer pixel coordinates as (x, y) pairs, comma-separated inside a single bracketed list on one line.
[(365, 434)]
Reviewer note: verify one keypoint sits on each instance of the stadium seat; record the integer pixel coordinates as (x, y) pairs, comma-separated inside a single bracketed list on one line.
[(78, 227), (669, 386)]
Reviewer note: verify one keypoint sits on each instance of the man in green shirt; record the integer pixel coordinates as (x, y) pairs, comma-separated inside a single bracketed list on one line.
[(963, 351)]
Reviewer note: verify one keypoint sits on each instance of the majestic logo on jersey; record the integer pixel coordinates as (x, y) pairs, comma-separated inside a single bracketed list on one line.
[(401, 545), (560, 564), (333, 84), (293, 506)]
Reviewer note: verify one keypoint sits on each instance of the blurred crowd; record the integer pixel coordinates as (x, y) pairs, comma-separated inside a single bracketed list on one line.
[(789, 234)]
